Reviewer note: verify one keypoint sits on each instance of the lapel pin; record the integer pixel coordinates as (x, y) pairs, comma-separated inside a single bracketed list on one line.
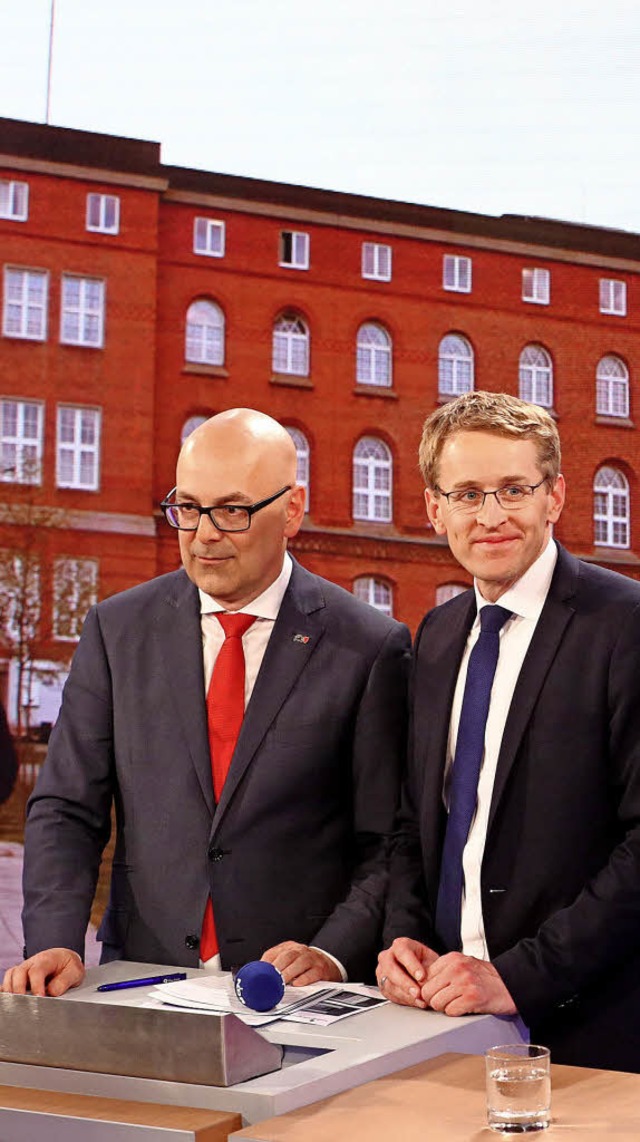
[(301, 638)]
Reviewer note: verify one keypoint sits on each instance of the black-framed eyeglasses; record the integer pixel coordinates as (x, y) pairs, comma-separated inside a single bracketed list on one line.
[(225, 517), (471, 500)]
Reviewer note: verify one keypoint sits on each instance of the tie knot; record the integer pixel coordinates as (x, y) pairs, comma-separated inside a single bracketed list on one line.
[(234, 626), (493, 618)]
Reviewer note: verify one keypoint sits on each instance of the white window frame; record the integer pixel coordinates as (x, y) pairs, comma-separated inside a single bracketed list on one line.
[(612, 387), (611, 508), (14, 200), (296, 256), (613, 297), (376, 592), (374, 362), (535, 376), (536, 285), (303, 460), (372, 481), (376, 261), (98, 207), (28, 308), (19, 595), (456, 370), (72, 595), (457, 273), (83, 313), (291, 346), (204, 333), (25, 445), (78, 449), (209, 237), (447, 591)]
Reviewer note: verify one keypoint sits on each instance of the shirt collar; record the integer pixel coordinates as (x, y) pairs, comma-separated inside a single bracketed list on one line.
[(265, 606), (526, 597)]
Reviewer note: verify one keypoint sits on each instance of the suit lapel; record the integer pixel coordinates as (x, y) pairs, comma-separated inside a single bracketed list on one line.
[(300, 618), (556, 614), (178, 635)]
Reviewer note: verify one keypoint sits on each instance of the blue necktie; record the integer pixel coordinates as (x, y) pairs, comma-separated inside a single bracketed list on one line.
[(463, 787)]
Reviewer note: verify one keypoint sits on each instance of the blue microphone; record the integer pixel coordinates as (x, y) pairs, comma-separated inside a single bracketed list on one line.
[(259, 985)]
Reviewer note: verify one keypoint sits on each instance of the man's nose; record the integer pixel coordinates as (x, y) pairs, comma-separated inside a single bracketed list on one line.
[(207, 530), (491, 511)]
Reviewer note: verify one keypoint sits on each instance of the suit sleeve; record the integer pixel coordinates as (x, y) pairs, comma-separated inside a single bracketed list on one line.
[(579, 945), (352, 932), (68, 815)]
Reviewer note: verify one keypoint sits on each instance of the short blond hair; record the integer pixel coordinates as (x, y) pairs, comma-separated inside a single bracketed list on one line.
[(498, 413)]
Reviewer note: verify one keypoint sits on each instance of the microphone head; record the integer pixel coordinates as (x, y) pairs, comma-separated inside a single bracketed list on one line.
[(259, 985)]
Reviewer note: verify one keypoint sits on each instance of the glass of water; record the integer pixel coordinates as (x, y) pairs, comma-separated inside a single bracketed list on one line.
[(518, 1088)]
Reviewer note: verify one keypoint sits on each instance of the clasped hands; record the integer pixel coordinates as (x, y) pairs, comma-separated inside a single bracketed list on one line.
[(412, 974)]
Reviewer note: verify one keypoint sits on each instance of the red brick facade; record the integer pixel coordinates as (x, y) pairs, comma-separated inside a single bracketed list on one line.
[(144, 389)]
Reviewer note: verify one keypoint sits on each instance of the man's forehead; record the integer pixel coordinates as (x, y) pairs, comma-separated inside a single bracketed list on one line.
[(464, 449)]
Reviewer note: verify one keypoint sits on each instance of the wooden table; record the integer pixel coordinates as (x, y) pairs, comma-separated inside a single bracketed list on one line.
[(443, 1100)]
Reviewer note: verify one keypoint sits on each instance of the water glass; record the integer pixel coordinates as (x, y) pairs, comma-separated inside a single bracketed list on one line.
[(518, 1088)]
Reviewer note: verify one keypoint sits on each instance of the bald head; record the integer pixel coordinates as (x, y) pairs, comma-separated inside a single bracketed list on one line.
[(239, 457)]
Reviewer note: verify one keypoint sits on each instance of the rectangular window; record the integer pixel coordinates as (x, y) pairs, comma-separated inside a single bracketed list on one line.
[(103, 213), (613, 297), (19, 596), (78, 453), (294, 249), (208, 237), (25, 304), (75, 589), (456, 273), (82, 316), (376, 261), (21, 441), (14, 200), (536, 286)]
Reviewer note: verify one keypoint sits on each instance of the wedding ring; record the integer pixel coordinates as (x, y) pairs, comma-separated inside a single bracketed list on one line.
[(382, 982)]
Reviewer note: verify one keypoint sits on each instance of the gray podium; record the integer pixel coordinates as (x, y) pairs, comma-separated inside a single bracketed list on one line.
[(315, 1061)]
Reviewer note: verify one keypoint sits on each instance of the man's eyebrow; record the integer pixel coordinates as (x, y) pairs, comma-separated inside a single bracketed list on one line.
[(219, 501), (504, 480)]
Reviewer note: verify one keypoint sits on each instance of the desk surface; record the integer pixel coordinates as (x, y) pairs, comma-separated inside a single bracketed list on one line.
[(443, 1100)]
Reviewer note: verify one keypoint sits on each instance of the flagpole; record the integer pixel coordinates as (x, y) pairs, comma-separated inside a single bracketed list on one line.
[(50, 59)]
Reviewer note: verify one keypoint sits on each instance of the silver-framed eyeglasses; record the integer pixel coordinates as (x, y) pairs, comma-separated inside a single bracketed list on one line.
[(471, 500), (186, 515)]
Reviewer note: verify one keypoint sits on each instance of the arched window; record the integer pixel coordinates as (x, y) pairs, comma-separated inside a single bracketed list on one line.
[(303, 458), (190, 426), (611, 508), (205, 334), (372, 480), (374, 592), (455, 366), (291, 345), (373, 355), (612, 387), (448, 591), (536, 376)]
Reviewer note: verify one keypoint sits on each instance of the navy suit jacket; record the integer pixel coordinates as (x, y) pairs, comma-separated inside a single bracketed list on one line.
[(561, 869), (296, 847)]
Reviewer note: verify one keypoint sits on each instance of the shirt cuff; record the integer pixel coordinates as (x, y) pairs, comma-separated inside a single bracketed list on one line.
[(345, 977)]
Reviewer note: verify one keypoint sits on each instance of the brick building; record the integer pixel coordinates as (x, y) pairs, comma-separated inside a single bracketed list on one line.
[(139, 297)]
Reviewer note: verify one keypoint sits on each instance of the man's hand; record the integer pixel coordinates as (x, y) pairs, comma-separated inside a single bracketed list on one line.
[(462, 985), (48, 973), (301, 965), (402, 969)]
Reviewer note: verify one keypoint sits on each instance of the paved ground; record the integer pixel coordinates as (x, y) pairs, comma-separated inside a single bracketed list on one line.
[(11, 906)]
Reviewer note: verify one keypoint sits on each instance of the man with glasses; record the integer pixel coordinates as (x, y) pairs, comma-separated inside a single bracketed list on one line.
[(515, 879), (241, 833)]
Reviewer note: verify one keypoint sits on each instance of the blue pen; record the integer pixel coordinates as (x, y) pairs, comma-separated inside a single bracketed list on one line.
[(146, 981)]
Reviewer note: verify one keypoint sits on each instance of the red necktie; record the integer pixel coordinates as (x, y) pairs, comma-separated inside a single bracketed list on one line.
[(225, 711)]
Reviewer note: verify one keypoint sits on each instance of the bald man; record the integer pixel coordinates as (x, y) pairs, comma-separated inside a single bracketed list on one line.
[(286, 860)]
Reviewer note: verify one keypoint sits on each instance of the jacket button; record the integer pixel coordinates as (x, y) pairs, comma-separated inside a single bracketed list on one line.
[(215, 854), (191, 942)]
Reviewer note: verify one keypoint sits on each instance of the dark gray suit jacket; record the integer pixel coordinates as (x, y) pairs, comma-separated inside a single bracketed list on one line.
[(295, 849), (561, 868)]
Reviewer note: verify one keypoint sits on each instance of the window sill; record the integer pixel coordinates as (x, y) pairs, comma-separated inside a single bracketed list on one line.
[(614, 421), (375, 391), (292, 380), (205, 370)]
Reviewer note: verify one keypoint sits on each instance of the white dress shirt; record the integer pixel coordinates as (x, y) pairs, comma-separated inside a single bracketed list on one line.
[(254, 644), (525, 599)]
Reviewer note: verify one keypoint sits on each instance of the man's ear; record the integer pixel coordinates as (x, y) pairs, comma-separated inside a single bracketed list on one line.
[(295, 511), (556, 499), (434, 511)]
